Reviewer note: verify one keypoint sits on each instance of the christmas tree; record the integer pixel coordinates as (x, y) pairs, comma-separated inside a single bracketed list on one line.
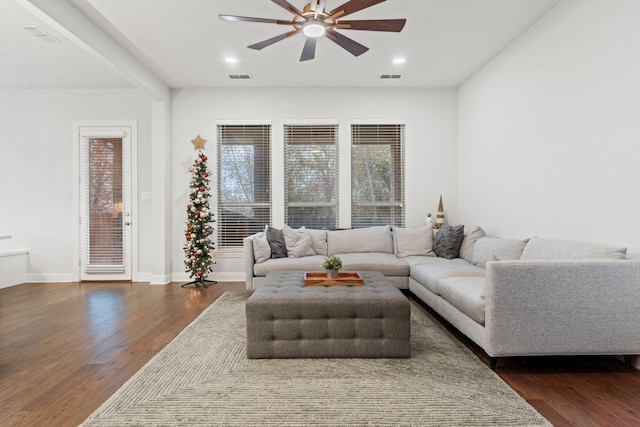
[(198, 247)]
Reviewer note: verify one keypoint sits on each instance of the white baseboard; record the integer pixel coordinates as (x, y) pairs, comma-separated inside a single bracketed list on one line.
[(49, 277), (144, 277), (160, 279)]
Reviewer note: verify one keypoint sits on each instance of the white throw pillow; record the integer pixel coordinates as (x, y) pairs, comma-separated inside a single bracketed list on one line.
[(261, 248), (493, 248), (413, 241), (298, 242), (468, 242)]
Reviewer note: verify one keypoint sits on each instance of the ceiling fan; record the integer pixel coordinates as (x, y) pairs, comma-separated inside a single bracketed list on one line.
[(314, 22)]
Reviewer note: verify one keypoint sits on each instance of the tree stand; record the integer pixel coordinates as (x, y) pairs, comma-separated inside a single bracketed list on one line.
[(199, 282)]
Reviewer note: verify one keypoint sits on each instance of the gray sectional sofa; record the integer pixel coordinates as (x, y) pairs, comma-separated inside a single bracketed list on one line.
[(512, 297)]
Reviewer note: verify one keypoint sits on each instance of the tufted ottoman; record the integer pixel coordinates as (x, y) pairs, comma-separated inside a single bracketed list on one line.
[(286, 319)]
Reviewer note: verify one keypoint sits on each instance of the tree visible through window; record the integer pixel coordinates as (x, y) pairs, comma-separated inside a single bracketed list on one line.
[(311, 170), (377, 175), (244, 182)]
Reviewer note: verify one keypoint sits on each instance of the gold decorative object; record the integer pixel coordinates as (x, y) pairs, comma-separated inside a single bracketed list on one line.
[(440, 215), (198, 143)]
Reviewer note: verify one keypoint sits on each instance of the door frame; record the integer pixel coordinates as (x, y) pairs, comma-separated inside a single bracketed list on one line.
[(131, 126)]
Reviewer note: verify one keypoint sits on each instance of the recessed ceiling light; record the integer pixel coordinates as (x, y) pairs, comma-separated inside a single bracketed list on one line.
[(399, 60), (230, 60)]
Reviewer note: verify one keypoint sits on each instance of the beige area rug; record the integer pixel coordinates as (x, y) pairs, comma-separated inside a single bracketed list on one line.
[(203, 378)]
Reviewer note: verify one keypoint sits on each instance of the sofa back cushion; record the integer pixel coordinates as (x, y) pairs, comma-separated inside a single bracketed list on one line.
[(495, 249), (413, 241), (555, 249), (371, 239), (318, 241)]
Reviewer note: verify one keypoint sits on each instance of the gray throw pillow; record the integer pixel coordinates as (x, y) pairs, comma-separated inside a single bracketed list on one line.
[(276, 241), (448, 240)]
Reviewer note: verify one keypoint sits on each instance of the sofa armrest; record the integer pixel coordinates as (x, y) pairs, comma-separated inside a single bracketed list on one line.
[(562, 307), (249, 260)]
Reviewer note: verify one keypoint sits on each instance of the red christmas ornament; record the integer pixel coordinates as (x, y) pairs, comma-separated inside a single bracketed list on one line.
[(188, 236), (197, 213), (205, 175), (200, 273), (189, 229), (188, 207), (204, 158), (202, 188)]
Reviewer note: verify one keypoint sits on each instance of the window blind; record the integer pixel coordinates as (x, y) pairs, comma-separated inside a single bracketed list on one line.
[(103, 188), (244, 182), (377, 175), (311, 176)]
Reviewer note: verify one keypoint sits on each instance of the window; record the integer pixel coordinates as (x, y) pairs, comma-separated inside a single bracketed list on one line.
[(311, 176), (377, 175), (244, 182), (103, 218)]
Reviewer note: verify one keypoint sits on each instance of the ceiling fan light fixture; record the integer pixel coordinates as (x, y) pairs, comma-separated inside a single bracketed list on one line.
[(314, 28)]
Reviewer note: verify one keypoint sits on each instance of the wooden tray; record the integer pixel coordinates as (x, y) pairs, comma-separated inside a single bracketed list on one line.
[(345, 278)]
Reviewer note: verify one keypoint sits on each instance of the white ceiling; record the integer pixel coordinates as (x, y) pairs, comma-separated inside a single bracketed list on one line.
[(184, 44)]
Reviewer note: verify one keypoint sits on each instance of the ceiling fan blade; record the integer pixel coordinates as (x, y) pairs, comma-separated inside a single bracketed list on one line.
[(355, 48), (272, 40), (394, 25), (291, 8), (309, 50), (353, 6), (249, 19)]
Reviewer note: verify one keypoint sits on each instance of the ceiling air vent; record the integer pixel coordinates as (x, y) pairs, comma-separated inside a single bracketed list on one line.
[(40, 33), (240, 76), (390, 76)]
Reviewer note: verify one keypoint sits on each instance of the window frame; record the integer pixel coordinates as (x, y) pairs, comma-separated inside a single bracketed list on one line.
[(398, 166), (265, 185), (306, 137)]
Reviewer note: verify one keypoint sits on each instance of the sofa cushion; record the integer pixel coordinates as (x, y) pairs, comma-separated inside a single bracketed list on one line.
[(555, 249), (466, 294), (276, 241), (371, 239), (448, 240), (261, 248), (495, 249), (387, 264), (308, 263), (413, 241), (428, 275), (469, 241), (318, 241), (417, 260), (298, 242)]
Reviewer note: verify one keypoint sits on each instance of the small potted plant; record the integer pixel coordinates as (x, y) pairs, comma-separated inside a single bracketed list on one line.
[(332, 264)]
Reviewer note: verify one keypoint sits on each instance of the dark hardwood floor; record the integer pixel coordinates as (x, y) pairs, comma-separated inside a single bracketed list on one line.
[(65, 348)]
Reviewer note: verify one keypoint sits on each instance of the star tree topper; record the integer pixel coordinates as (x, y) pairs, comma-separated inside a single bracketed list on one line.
[(198, 143)]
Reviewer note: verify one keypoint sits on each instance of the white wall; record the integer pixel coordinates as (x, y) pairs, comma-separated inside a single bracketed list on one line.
[(549, 131), (36, 197), (430, 143)]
